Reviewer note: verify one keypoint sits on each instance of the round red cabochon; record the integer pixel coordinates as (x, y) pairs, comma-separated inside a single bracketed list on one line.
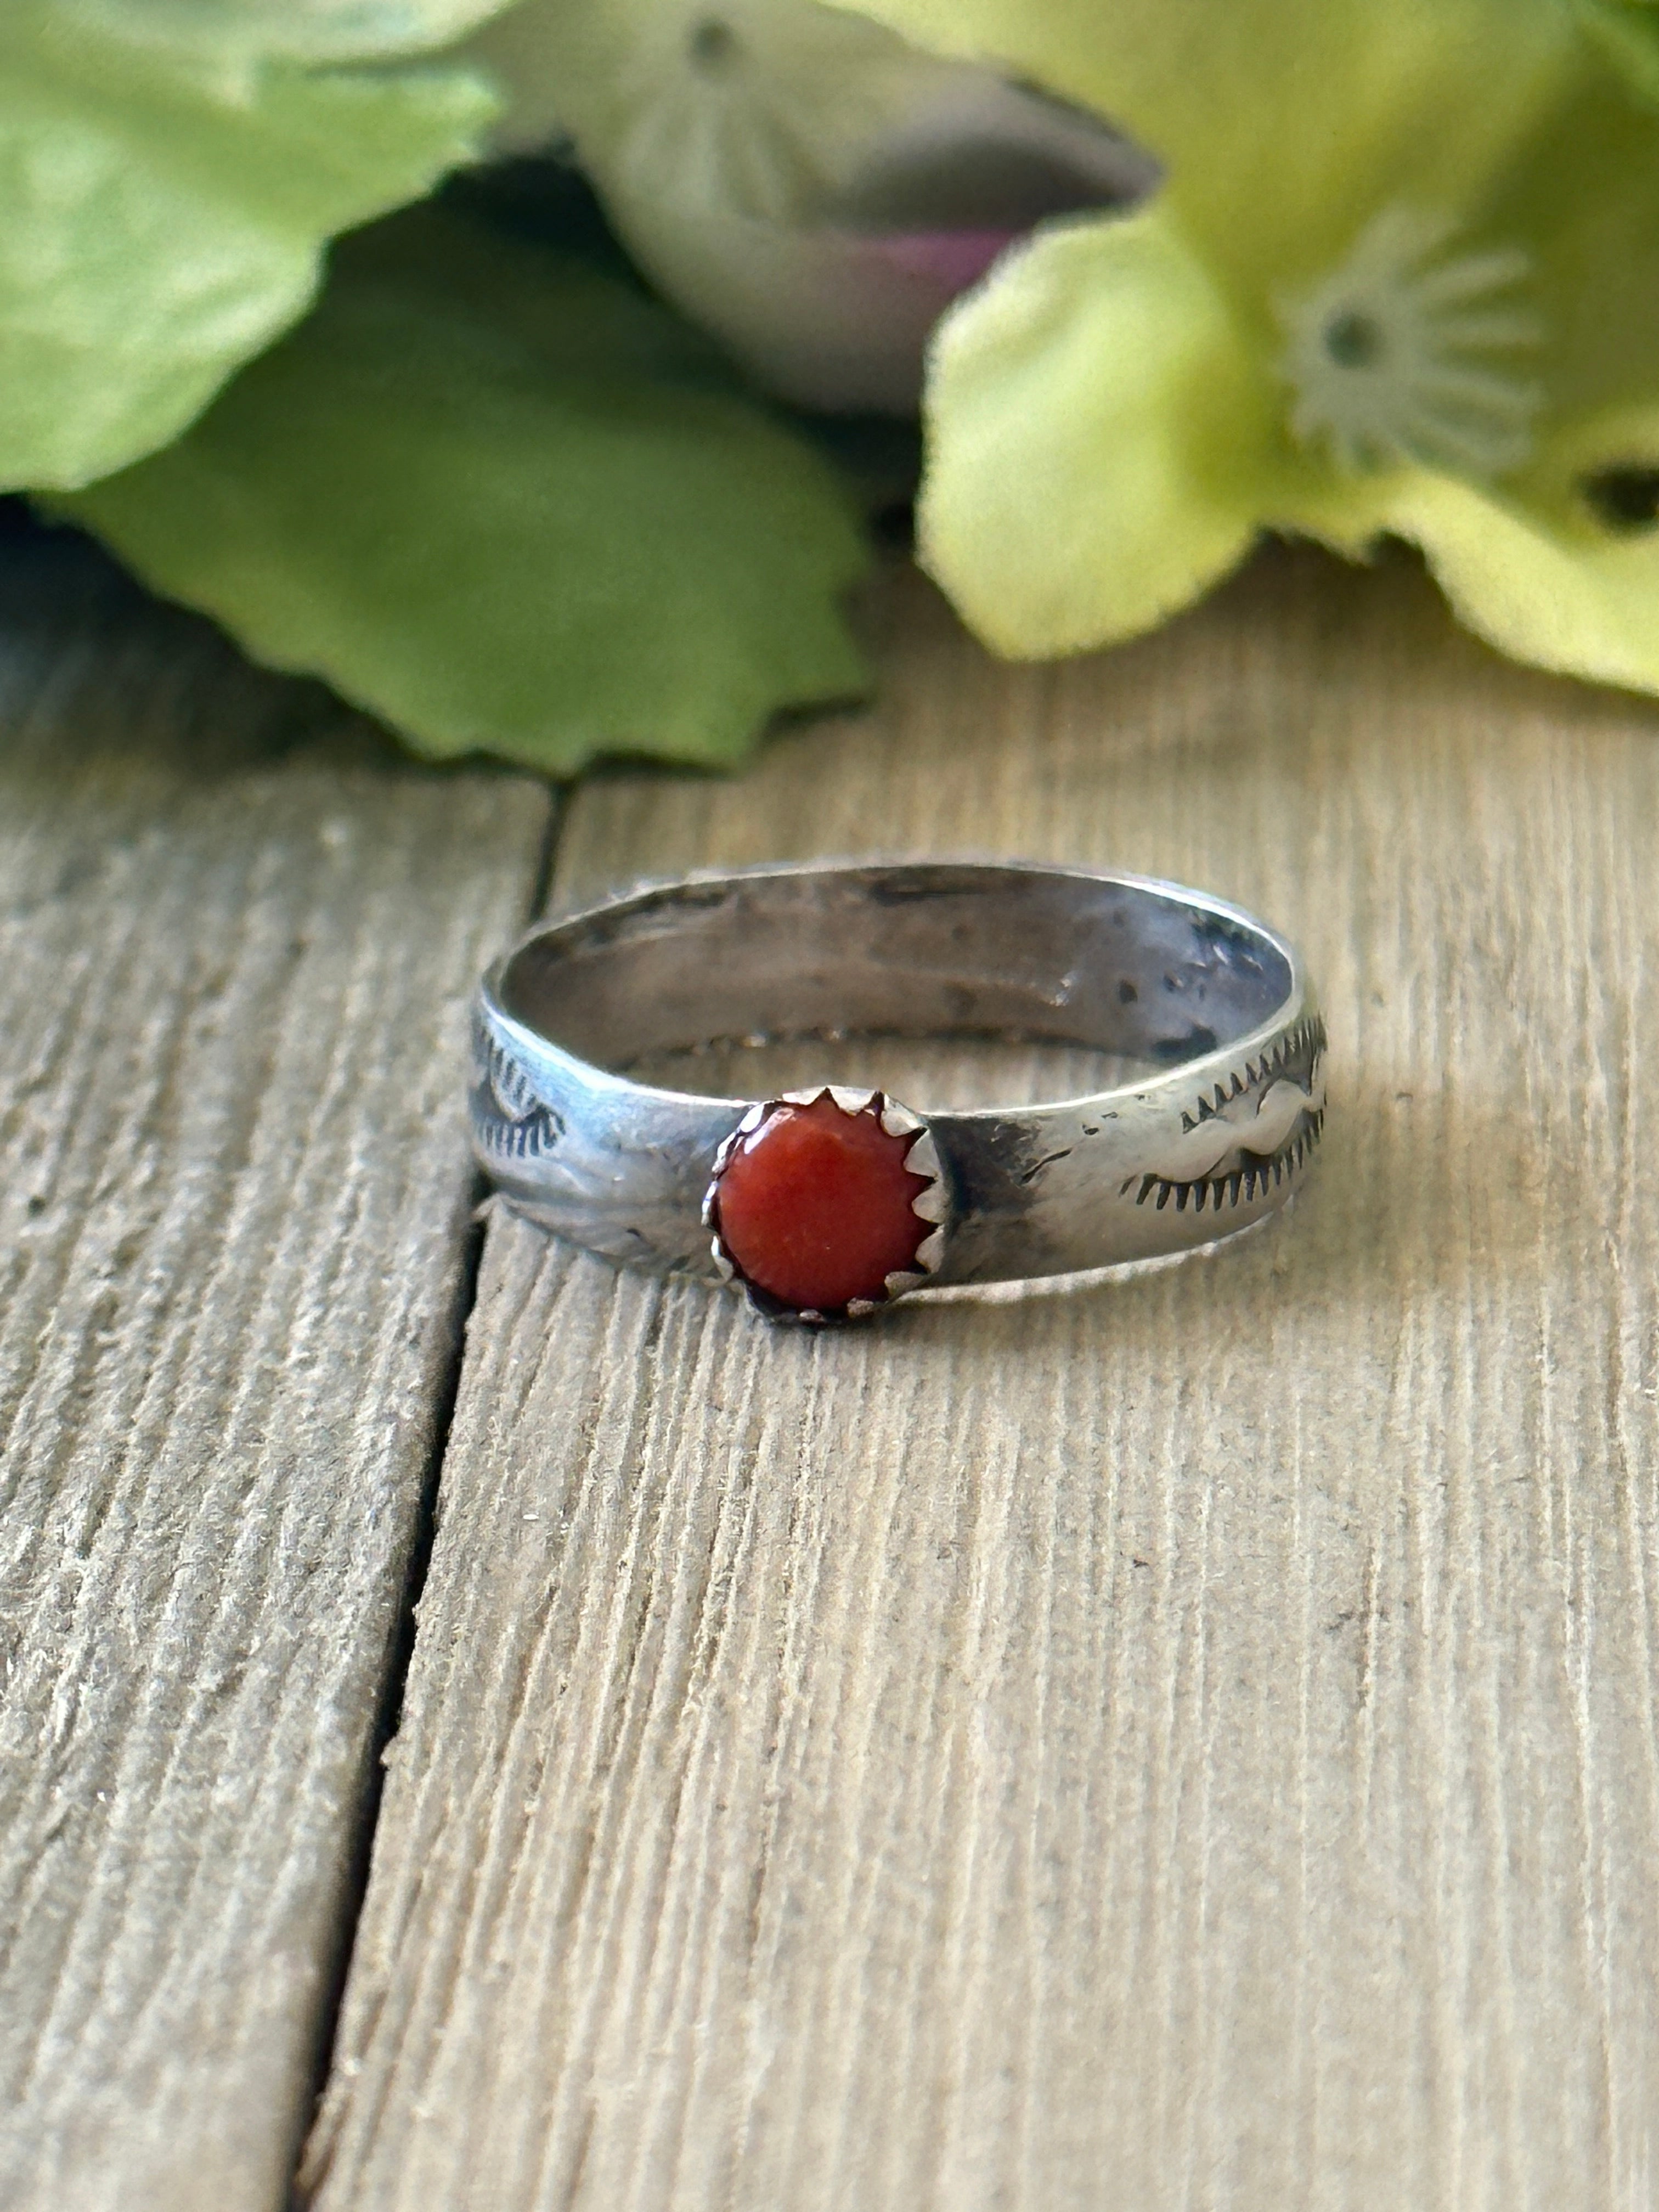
[(815, 1206)]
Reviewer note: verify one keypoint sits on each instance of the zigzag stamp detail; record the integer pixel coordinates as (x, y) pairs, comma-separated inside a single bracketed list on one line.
[(1244, 1137), (509, 1121)]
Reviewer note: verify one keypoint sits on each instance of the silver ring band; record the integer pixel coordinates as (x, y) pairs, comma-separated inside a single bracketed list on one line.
[(1212, 1004)]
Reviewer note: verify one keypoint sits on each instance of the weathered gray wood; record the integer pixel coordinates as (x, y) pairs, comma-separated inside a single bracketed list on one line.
[(235, 941), (1186, 1743)]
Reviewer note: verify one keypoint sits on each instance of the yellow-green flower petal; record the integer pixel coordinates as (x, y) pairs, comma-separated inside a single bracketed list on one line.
[(1087, 412), (1542, 596)]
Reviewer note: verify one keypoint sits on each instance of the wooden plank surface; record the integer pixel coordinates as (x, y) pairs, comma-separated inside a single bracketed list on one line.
[(1184, 1742), (236, 937)]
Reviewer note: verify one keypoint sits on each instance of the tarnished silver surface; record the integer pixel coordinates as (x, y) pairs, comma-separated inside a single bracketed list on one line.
[(1216, 1134)]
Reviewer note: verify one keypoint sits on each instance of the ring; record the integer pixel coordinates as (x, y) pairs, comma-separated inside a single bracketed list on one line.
[(826, 1203)]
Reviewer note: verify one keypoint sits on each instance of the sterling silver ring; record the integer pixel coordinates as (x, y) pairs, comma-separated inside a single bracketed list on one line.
[(826, 1203)]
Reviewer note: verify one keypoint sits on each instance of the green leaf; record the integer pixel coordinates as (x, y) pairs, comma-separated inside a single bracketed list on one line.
[(296, 30), (508, 504), (166, 210)]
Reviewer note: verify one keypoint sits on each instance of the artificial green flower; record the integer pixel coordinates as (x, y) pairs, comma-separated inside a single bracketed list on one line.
[(173, 170), (809, 187), (1403, 275)]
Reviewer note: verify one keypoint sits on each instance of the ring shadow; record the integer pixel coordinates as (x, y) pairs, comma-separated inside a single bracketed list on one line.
[(1389, 1212)]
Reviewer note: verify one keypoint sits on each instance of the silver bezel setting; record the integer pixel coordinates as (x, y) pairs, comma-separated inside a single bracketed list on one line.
[(932, 1204)]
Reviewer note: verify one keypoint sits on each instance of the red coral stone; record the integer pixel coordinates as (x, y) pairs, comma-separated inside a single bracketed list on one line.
[(815, 1205)]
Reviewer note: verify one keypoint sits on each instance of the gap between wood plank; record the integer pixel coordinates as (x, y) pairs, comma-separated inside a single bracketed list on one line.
[(239, 934), (390, 1718)]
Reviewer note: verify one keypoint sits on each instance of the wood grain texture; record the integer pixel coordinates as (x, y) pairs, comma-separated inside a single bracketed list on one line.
[(1184, 1742), (236, 938)]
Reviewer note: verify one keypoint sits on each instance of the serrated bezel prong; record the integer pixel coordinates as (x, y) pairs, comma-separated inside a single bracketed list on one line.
[(922, 1159), (932, 1204)]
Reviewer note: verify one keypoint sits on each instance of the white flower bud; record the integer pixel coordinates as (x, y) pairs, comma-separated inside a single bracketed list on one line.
[(802, 182)]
